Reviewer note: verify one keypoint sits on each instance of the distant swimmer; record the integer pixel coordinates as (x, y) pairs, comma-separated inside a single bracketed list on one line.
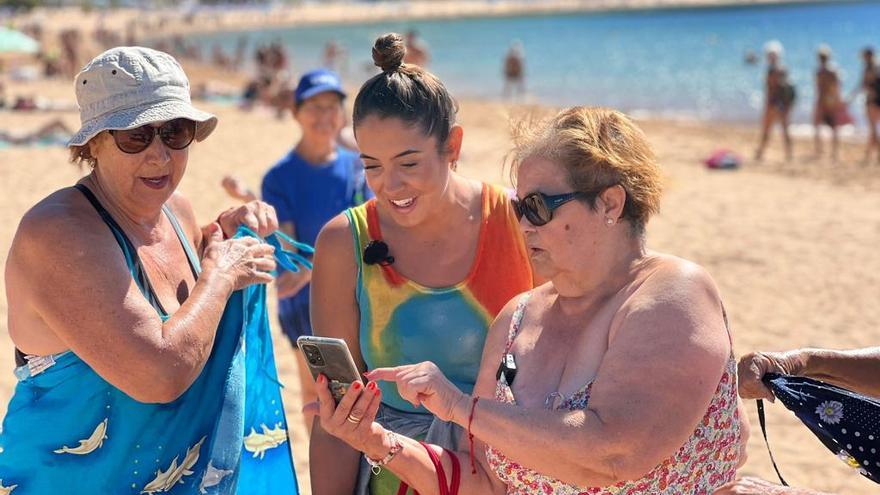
[(514, 70), (751, 58), (417, 51)]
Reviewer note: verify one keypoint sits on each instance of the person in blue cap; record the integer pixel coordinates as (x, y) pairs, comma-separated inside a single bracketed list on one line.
[(312, 183)]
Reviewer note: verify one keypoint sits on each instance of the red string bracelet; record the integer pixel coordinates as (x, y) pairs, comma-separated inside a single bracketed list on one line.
[(471, 435)]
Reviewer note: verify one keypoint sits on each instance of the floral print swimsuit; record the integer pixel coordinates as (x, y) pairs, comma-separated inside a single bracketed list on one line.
[(707, 460)]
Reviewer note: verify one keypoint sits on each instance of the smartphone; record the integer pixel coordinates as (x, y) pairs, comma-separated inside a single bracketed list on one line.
[(332, 358)]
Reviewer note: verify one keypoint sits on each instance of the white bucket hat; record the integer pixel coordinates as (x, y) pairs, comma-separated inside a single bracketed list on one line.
[(131, 86)]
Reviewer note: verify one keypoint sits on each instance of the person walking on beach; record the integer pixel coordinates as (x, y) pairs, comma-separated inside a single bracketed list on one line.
[(829, 108), (779, 97), (870, 85), (514, 71), (417, 273), (128, 316)]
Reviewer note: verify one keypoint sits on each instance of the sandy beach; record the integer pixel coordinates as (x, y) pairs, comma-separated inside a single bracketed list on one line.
[(792, 245)]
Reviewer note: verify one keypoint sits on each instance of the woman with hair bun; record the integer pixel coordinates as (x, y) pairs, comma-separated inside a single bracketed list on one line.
[(616, 377), (416, 274)]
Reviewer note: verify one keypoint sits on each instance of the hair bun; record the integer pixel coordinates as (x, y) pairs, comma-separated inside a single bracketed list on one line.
[(388, 52)]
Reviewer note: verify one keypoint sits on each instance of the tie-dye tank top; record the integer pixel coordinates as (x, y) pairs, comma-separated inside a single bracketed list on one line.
[(403, 322)]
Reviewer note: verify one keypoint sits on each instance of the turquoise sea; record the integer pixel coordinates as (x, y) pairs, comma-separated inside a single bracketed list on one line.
[(686, 63)]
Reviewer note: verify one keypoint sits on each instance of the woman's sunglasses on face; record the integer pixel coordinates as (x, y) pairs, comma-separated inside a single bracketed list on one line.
[(177, 134), (538, 207)]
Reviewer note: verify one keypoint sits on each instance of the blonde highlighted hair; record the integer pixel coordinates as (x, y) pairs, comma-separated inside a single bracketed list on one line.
[(598, 148)]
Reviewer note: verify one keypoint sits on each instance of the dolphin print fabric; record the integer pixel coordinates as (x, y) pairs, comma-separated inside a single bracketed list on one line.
[(67, 430)]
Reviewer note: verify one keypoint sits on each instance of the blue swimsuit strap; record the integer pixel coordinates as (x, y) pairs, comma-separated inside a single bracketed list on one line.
[(288, 260), (130, 253), (194, 264)]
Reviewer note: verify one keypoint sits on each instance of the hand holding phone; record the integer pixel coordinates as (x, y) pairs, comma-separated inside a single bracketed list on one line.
[(330, 357)]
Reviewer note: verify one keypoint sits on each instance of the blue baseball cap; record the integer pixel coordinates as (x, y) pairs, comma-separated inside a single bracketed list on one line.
[(315, 82)]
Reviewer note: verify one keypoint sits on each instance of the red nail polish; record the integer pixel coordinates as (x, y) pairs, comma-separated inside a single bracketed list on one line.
[(321, 378), (356, 385)]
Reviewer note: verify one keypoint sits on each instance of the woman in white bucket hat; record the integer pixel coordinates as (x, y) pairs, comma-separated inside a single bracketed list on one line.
[(126, 314)]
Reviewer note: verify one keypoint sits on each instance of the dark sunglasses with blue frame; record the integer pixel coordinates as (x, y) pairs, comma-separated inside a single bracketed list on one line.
[(538, 207)]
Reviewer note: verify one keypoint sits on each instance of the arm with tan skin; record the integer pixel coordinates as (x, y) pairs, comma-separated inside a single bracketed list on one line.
[(334, 313), (676, 320), (82, 291), (857, 370)]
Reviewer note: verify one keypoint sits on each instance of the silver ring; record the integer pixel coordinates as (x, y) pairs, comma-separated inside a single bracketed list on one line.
[(353, 419)]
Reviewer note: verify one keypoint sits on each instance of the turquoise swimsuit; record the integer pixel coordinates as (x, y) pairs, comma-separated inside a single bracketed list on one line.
[(67, 430)]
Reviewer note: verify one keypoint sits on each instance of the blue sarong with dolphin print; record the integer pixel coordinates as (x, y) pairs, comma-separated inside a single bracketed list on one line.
[(67, 430)]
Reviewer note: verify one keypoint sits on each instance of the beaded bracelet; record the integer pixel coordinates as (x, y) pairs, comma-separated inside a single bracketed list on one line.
[(396, 447)]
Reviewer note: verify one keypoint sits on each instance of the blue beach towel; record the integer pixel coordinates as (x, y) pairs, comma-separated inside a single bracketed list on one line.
[(69, 431)]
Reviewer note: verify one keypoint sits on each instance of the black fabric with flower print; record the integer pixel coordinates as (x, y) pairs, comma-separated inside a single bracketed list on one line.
[(847, 423)]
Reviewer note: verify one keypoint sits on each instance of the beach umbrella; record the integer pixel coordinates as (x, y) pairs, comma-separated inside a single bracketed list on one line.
[(12, 41), (847, 423)]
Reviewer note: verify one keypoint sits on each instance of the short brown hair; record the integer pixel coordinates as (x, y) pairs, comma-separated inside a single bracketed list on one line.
[(81, 155), (599, 148), (406, 92)]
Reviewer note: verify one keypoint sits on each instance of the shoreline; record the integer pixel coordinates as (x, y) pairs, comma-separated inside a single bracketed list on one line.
[(206, 20)]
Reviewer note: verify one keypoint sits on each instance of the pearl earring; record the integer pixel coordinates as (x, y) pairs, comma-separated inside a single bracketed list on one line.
[(609, 221)]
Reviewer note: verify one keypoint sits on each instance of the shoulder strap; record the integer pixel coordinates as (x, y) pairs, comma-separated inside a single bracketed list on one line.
[(355, 219), (763, 423), (374, 231), (194, 263), (727, 327), (516, 320), (128, 250)]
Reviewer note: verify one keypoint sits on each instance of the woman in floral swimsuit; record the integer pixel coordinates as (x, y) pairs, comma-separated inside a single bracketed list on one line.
[(616, 377)]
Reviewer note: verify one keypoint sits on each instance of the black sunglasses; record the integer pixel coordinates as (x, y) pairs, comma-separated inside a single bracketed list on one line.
[(538, 207), (177, 134)]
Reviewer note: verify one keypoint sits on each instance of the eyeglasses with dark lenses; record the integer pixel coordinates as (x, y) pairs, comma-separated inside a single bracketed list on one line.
[(538, 207), (177, 134)]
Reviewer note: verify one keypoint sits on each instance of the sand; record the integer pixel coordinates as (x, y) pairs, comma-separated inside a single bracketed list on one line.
[(792, 246)]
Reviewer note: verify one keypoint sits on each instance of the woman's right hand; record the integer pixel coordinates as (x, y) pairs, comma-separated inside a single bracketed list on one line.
[(753, 366), (243, 261)]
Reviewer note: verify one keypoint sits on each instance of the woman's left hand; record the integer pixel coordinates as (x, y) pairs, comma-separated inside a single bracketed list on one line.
[(353, 420), (255, 215), (423, 384)]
